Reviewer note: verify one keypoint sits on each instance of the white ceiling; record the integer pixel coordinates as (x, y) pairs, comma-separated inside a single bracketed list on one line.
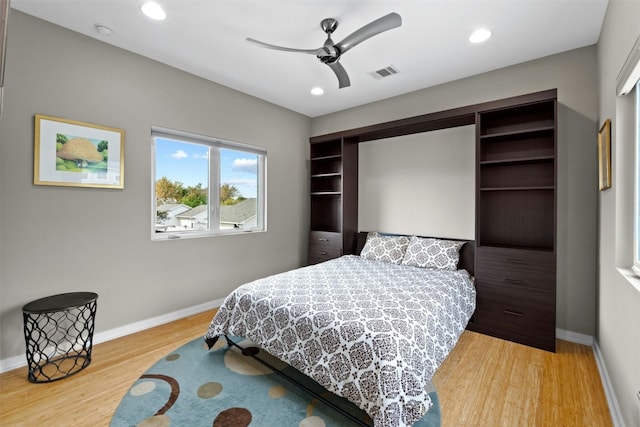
[(207, 38)]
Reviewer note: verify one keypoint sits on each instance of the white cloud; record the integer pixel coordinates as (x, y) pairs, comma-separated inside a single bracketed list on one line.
[(201, 156), (242, 182), (245, 165), (180, 154)]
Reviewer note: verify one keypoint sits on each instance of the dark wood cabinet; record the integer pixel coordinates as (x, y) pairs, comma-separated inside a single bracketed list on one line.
[(516, 295), (516, 220), (324, 245), (333, 185)]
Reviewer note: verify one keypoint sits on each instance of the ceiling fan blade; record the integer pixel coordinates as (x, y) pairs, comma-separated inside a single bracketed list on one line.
[(380, 25), (316, 52), (341, 74)]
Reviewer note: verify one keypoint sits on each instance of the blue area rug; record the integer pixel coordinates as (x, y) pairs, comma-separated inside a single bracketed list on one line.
[(194, 387)]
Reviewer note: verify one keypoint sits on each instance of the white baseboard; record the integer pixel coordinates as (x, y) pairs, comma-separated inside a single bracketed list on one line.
[(12, 363), (20, 361), (612, 400), (574, 337), (155, 321)]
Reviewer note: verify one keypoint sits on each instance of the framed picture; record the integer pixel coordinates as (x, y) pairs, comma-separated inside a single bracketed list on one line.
[(604, 155), (77, 154)]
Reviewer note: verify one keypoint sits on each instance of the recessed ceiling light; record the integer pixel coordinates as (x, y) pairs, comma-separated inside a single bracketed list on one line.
[(153, 10), (480, 35), (317, 91)]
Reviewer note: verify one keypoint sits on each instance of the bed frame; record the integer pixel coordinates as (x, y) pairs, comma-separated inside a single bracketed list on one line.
[(253, 353)]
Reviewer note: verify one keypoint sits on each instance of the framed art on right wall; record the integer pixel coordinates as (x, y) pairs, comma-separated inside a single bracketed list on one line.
[(604, 155)]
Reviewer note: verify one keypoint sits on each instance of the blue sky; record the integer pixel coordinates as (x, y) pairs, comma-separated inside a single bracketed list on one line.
[(188, 164)]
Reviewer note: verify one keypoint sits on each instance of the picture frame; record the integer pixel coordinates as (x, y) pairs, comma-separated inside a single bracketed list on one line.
[(77, 154), (604, 155)]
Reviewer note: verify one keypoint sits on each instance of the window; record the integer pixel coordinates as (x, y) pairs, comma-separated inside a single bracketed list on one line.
[(205, 186), (636, 213), (628, 84)]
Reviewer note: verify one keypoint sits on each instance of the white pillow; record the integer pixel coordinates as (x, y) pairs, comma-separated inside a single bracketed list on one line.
[(433, 253), (385, 248)]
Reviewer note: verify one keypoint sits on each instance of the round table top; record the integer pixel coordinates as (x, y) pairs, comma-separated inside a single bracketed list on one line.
[(59, 302)]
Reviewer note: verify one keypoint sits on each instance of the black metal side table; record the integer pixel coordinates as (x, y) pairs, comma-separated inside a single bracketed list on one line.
[(58, 332)]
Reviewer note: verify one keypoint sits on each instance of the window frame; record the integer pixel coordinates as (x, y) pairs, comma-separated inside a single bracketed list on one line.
[(636, 211), (628, 83), (214, 145)]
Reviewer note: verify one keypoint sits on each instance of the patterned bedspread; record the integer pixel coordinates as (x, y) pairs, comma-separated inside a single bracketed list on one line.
[(370, 331)]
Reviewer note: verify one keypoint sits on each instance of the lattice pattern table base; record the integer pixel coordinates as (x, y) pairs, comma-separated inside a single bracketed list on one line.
[(58, 333)]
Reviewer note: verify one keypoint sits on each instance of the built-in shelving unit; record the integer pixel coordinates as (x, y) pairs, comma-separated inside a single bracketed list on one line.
[(334, 198), (516, 221)]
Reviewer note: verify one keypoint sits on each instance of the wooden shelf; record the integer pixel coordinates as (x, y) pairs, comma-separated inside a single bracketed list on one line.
[(519, 247), (519, 132), (335, 156), (326, 193), (516, 160), (518, 120), (326, 175), (510, 174), (326, 149), (517, 188)]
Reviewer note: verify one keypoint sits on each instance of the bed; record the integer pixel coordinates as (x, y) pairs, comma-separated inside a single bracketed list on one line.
[(372, 328)]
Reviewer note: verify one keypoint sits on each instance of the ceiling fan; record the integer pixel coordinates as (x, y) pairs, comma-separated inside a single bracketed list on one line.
[(331, 52)]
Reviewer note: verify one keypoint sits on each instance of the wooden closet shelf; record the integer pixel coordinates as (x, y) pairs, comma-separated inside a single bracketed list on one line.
[(517, 160), (518, 132), (540, 187), (334, 156), (326, 193), (327, 175)]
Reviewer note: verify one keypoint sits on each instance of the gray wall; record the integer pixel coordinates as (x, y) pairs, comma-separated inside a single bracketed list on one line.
[(420, 184), (619, 301), (574, 74), (57, 239)]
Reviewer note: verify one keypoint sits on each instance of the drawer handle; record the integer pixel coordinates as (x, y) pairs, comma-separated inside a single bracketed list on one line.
[(514, 281), (514, 260), (322, 239), (513, 313), (322, 252)]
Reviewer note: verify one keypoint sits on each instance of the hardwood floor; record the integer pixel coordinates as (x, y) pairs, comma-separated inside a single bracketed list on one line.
[(487, 381), (90, 397), (484, 382)]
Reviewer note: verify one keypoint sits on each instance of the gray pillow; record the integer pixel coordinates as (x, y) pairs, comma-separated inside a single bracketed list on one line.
[(385, 248), (433, 253)]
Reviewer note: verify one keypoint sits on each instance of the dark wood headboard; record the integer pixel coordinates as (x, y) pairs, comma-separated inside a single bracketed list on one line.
[(467, 252)]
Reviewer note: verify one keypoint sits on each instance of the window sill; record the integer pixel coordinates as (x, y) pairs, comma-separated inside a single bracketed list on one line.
[(164, 237), (631, 277)]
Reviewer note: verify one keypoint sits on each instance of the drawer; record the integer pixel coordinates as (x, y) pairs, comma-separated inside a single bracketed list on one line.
[(516, 267), (516, 309), (325, 238), (321, 253)]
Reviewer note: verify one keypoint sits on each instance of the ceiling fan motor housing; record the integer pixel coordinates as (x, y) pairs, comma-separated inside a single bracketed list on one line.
[(332, 52), (329, 25)]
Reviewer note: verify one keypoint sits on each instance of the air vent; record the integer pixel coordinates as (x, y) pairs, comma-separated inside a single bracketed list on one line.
[(385, 72)]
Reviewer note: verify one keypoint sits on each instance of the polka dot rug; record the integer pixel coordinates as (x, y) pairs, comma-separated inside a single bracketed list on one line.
[(194, 387)]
